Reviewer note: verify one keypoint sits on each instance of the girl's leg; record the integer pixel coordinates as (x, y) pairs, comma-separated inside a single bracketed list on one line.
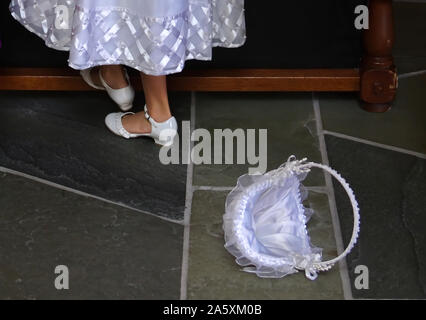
[(112, 74), (157, 102)]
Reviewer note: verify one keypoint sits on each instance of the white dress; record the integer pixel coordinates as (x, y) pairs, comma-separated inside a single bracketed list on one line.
[(152, 36)]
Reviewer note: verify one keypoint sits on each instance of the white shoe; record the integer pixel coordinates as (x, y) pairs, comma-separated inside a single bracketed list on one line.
[(122, 97), (163, 133)]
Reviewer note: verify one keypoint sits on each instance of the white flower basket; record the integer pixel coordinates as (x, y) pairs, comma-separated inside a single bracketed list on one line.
[(265, 222)]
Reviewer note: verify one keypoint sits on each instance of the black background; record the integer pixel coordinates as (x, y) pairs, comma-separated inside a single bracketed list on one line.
[(280, 34)]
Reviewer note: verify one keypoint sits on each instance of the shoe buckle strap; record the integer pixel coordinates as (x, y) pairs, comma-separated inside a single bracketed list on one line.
[(148, 117), (121, 129), (124, 133)]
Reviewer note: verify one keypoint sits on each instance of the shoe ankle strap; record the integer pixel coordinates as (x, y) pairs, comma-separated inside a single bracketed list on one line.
[(148, 116), (150, 119), (145, 109)]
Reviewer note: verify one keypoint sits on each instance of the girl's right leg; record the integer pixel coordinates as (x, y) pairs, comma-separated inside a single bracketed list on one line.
[(156, 98)]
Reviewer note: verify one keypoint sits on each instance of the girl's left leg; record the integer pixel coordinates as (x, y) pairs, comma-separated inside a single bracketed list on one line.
[(112, 74), (113, 79)]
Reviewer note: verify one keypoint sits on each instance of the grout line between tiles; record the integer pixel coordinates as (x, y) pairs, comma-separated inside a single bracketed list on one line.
[(188, 207), (375, 144), (343, 268), (84, 194), (318, 189), (411, 74), (212, 188)]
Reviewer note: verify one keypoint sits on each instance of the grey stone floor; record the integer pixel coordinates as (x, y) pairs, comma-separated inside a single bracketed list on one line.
[(128, 227), (111, 252), (61, 137)]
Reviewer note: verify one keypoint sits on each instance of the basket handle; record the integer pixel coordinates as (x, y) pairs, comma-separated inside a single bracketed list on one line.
[(326, 265)]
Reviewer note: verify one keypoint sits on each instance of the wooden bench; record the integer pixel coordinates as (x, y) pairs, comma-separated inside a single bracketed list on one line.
[(291, 46)]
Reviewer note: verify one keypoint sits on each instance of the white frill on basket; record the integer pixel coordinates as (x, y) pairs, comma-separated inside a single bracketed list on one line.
[(265, 222)]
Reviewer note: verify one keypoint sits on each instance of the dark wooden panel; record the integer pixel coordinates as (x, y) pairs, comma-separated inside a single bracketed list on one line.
[(54, 79)]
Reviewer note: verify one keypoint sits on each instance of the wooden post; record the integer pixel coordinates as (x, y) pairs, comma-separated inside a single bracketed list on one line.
[(378, 75)]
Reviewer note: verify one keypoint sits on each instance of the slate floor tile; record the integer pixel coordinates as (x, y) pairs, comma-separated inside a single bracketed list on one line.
[(289, 119), (213, 273), (403, 126), (111, 252), (390, 188), (61, 137)]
